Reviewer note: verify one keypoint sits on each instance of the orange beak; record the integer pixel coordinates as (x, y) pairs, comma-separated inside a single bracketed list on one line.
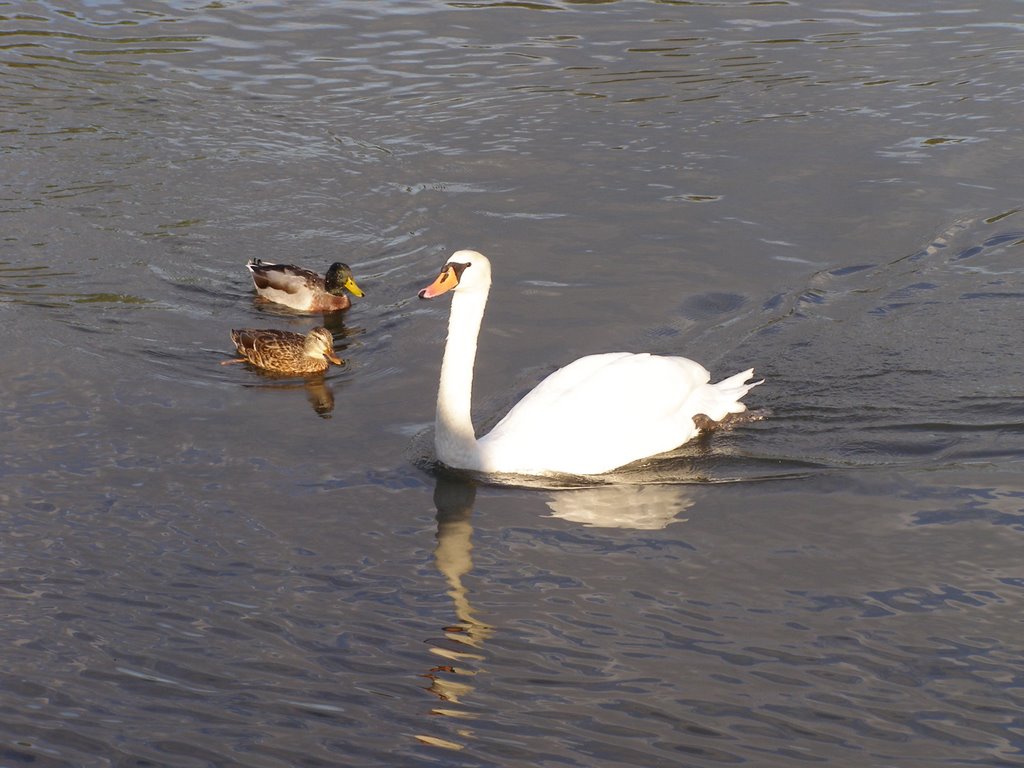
[(333, 358), (446, 281)]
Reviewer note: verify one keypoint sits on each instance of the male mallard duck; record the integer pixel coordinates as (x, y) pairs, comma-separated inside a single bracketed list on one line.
[(303, 289), (284, 351)]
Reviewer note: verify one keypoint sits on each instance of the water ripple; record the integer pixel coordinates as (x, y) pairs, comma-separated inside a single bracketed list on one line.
[(198, 569)]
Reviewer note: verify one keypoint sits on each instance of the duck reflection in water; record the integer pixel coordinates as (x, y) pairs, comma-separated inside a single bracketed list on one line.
[(320, 396), (319, 392)]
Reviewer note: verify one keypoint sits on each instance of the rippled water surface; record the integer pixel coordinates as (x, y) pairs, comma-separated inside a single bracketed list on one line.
[(205, 566)]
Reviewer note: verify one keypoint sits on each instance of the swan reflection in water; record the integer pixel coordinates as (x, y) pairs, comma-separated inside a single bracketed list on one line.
[(463, 641), (642, 507)]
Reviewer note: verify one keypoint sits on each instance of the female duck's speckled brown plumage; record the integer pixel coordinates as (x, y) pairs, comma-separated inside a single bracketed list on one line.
[(284, 351), (303, 289)]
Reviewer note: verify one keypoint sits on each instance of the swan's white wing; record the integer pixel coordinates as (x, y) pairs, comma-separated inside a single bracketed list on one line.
[(285, 283), (599, 413)]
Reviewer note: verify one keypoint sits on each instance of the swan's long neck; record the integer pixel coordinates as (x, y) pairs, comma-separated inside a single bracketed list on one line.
[(454, 438)]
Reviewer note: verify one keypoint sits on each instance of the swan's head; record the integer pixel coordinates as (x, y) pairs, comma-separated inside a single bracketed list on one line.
[(320, 343), (465, 271)]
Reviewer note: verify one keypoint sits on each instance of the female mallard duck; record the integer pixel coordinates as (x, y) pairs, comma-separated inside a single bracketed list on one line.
[(303, 289), (284, 351), (595, 415)]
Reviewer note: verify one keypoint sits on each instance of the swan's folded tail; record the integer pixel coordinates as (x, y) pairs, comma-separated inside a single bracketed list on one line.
[(728, 393)]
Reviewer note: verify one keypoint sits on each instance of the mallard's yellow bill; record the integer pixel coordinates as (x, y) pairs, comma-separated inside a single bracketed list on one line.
[(351, 287)]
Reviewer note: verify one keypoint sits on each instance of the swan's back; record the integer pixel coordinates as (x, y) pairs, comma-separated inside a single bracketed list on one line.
[(604, 411)]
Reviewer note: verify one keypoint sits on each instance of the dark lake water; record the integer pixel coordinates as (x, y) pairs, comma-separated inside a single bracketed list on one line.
[(203, 566)]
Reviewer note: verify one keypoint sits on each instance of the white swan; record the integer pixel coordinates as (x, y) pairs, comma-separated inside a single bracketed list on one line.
[(598, 413)]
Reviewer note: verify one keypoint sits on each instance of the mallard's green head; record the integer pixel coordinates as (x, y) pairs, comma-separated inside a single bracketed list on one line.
[(339, 279)]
